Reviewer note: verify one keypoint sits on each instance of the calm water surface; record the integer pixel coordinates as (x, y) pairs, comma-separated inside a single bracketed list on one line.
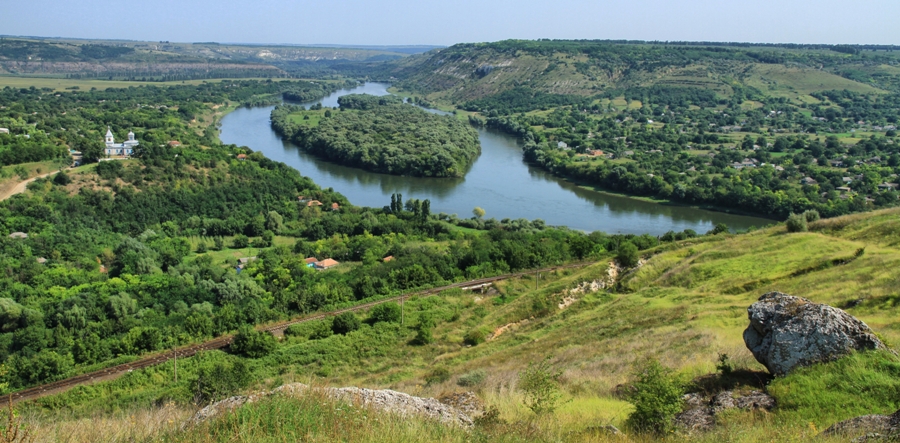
[(499, 182)]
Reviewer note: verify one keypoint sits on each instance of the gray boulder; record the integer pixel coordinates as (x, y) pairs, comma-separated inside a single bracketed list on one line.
[(787, 331)]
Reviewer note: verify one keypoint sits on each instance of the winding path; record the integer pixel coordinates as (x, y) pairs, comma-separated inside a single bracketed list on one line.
[(22, 186)]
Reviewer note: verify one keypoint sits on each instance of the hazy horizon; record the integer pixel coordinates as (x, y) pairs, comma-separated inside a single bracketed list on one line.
[(408, 23)]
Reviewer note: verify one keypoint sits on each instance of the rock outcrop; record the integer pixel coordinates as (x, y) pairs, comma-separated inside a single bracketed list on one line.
[(867, 428), (700, 412), (379, 399), (787, 331)]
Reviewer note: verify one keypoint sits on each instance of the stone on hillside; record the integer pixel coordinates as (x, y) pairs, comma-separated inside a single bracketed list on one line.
[(867, 428), (700, 412), (380, 399), (787, 331)]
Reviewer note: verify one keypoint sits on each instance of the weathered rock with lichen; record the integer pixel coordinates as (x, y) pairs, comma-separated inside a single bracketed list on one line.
[(867, 428), (380, 399), (787, 331)]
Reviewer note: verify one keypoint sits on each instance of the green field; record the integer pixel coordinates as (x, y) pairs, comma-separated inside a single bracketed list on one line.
[(62, 84)]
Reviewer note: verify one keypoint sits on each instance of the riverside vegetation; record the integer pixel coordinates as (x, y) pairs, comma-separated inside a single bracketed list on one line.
[(763, 129), (381, 134)]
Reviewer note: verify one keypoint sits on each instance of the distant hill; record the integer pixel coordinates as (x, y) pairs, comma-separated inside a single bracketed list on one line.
[(466, 72)]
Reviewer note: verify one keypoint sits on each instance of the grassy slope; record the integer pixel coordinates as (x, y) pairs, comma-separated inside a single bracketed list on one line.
[(686, 305), (450, 75)]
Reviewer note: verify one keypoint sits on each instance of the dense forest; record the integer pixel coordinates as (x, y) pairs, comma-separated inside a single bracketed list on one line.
[(382, 134)]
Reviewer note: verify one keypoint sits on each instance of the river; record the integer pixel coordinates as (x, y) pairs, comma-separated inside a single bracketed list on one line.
[(499, 181)]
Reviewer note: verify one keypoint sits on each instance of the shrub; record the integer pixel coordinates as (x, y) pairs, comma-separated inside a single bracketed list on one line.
[(796, 223), (627, 255), (240, 241), (218, 244), (811, 215), (252, 343), (437, 375), (385, 312), (201, 247), (718, 229), (540, 383), (423, 329), (219, 379), (475, 337), (62, 178), (724, 366), (344, 323), (471, 379), (656, 396)]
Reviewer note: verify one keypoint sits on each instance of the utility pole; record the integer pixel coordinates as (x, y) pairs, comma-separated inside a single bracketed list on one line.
[(176, 364), (401, 311)]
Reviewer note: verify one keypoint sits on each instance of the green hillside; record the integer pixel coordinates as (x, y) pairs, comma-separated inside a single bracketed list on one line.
[(464, 72), (684, 307)]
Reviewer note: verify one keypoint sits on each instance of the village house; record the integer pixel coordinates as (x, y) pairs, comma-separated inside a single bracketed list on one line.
[(335, 206), (562, 145), (388, 258), (242, 157), (4, 130), (18, 235), (326, 264), (887, 186), (310, 261), (312, 203), (808, 181), (843, 189), (174, 144)]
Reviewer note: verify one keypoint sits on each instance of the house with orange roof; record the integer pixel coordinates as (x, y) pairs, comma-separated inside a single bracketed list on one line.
[(326, 264), (312, 203)]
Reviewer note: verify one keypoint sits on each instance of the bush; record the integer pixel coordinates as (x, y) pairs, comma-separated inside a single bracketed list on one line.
[(385, 312), (344, 323), (471, 379), (252, 343), (423, 329), (540, 383), (475, 337), (627, 255), (201, 247), (437, 375), (219, 379), (796, 223), (724, 366), (720, 228), (656, 396), (240, 241), (811, 215), (62, 178)]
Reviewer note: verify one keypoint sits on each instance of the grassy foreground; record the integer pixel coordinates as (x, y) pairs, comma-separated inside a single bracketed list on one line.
[(685, 306)]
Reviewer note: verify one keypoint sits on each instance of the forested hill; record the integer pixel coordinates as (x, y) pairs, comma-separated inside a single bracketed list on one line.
[(466, 72), (382, 134)]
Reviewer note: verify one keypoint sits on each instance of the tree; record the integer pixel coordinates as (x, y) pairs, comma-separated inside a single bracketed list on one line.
[(385, 312), (252, 343), (219, 378), (423, 329), (478, 212), (627, 254), (92, 150), (345, 323), (540, 384)]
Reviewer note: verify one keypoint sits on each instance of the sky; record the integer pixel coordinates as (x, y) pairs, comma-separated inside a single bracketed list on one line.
[(423, 22)]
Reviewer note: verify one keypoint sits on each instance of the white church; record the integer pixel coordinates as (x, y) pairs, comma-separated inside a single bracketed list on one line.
[(125, 148)]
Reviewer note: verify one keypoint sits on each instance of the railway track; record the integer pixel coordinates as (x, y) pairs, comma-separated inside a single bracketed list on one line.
[(223, 341)]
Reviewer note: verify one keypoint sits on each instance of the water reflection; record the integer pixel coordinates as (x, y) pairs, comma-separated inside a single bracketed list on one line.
[(499, 182)]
